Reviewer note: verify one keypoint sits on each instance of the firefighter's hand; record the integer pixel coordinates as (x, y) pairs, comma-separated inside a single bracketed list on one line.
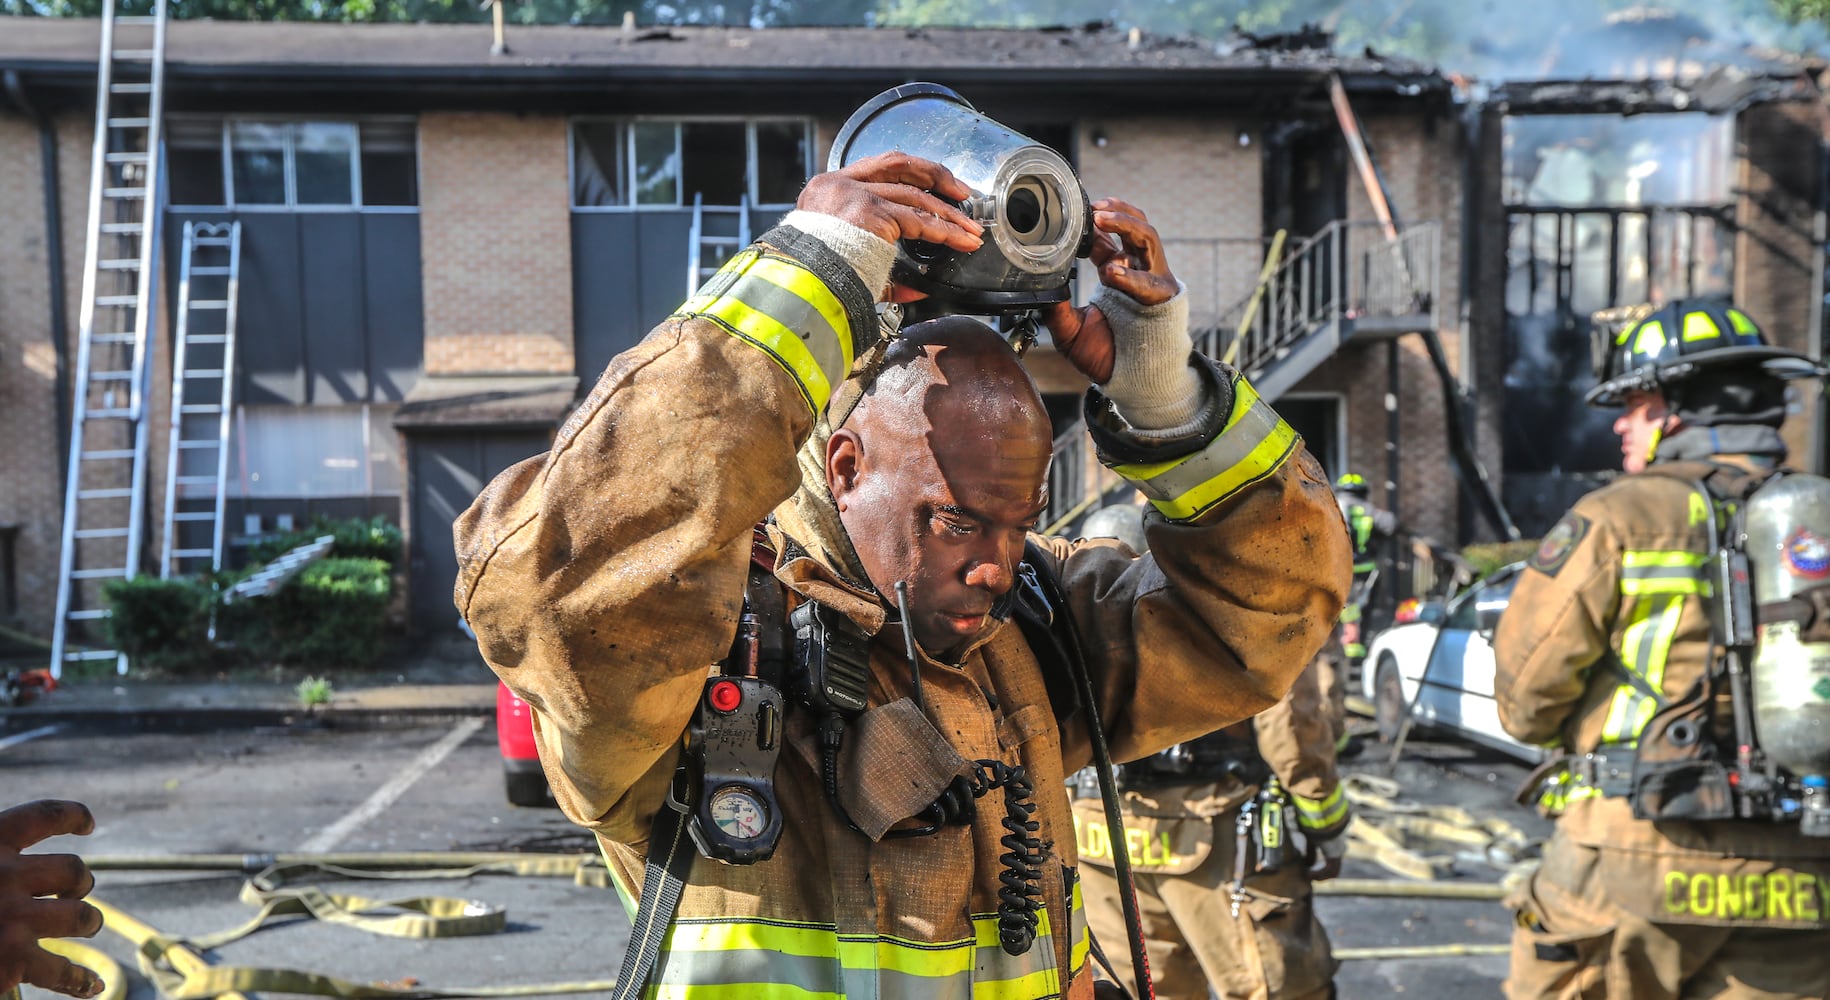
[(1325, 858), (41, 896), (1129, 255), (896, 196)]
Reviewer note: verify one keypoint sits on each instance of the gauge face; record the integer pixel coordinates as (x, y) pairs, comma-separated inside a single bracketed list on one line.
[(738, 812)]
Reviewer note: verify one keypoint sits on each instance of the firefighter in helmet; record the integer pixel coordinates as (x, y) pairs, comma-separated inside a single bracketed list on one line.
[(1366, 522), (1672, 873)]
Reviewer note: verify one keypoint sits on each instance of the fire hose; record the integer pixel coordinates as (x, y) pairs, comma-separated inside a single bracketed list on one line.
[(174, 964)]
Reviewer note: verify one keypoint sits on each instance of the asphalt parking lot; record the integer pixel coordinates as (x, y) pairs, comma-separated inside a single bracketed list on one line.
[(436, 787)]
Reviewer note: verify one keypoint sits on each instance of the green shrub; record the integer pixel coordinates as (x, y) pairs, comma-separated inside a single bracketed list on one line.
[(356, 538), (1489, 556), (330, 615), (162, 625)]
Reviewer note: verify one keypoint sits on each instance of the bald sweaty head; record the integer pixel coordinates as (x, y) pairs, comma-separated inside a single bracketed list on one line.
[(939, 472)]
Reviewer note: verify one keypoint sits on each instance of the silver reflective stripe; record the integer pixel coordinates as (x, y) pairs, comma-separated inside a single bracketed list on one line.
[(1233, 446), (797, 314)]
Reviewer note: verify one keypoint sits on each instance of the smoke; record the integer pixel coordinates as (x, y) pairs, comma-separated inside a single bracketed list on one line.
[(1489, 39)]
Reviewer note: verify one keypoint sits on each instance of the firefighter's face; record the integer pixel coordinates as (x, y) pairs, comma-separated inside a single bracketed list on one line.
[(1642, 419), (939, 476)]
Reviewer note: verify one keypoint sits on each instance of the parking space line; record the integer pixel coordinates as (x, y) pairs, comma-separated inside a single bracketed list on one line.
[(384, 796), (18, 738)]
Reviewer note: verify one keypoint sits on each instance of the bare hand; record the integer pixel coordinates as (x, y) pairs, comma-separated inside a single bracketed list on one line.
[(27, 915), (894, 196), (1129, 255)]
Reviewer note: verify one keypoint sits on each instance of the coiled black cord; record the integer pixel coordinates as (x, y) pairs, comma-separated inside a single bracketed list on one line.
[(1020, 891)]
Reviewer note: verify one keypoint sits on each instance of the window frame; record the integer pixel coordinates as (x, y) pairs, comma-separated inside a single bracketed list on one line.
[(226, 155), (751, 177)]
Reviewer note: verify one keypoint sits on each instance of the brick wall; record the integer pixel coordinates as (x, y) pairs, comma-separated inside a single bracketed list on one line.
[(1196, 183), (495, 227), (1778, 266)]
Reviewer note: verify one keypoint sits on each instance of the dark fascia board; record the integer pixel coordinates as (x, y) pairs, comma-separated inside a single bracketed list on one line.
[(1718, 93), (833, 92)]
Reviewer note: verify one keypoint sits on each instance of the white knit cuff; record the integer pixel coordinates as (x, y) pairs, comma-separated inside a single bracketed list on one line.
[(868, 254), (1153, 386)]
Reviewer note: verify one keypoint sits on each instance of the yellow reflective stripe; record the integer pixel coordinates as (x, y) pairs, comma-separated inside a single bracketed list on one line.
[(1699, 326), (1254, 443), (1634, 559), (1645, 649), (1083, 941), (1321, 813), (764, 957), (1743, 326), (1664, 571), (786, 311)]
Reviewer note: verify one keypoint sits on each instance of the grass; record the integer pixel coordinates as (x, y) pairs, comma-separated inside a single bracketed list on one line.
[(314, 691)]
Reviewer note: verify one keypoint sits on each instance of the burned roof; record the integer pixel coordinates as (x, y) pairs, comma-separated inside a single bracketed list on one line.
[(453, 57)]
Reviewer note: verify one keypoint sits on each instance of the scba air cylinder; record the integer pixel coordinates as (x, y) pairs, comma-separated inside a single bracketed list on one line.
[(1788, 544)]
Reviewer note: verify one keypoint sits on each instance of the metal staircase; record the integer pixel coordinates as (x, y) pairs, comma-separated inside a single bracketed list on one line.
[(1347, 280), (105, 497), (203, 389), (707, 250)]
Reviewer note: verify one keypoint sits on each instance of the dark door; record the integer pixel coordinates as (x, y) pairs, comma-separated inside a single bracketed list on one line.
[(1318, 420), (448, 470)]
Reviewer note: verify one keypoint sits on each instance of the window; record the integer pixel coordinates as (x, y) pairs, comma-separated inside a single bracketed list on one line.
[(294, 452), (644, 162), (308, 164)]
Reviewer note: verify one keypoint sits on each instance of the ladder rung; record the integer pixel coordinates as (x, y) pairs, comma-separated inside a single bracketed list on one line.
[(135, 53), (89, 614), (117, 300), (124, 192), (194, 515), (127, 157), (99, 574), (209, 303), (117, 338), (206, 338), (200, 408), (122, 228), (207, 272), (197, 445), (195, 480), (130, 123), (720, 241), (103, 456), (109, 413), (192, 553), (210, 241), (110, 376), (136, 19), (130, 88), (119, 264), (104, 494), (203, 373), (101, 532), (92, 654)]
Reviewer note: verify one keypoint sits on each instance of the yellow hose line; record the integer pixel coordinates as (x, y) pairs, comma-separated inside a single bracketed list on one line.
[(404, 861), (182, 959), (1419, 890), (1422, 951)]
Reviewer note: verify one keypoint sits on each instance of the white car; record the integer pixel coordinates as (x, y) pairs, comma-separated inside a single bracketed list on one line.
[(1440, 669)]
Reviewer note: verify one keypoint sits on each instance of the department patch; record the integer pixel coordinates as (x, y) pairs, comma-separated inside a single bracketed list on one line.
[(1807, 554), (1558, 543)]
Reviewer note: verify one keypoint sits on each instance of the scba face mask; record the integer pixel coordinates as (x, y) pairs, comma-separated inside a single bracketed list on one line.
[(1035, 213)]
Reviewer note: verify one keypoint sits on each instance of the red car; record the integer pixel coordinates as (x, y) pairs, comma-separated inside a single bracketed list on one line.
[(522, 777)]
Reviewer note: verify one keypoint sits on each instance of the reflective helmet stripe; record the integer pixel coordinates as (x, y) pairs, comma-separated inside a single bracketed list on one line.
[(1254, 443), (778, 306)]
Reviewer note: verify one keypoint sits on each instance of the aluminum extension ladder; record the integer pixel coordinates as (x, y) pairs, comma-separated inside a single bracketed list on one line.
[(707, 252), (203, 389), (105, 492)]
